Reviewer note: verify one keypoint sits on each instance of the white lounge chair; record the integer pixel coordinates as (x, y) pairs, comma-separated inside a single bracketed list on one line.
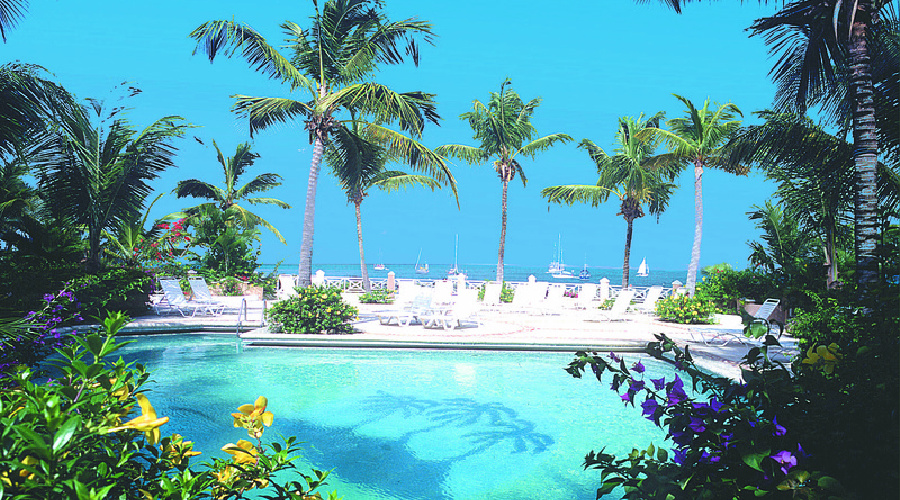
[(524, 297), (586, 296), (442, 292), (201, 294), (465, 308), (648, 306), (492, 292), (554, 301), (720, 337), (287, 286), (617, 311), (407, 315), (175, 301)]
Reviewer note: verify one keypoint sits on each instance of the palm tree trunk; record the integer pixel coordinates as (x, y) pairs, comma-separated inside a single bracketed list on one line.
[(830, 258), (502, 234), (626, 266), (309, 215), (865, 147), (362, 258), (691, 284)]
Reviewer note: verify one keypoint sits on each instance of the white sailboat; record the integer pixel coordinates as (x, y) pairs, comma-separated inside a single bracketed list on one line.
[(557, 268), (454, 271), (643, 270), (423, 269)]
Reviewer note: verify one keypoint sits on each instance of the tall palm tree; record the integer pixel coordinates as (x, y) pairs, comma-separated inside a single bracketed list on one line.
[(97, 175), (28, 102), (843, 56), (815, 37), (502, 126), (226, 198), (329, 62), (626, 174), (698, 139), (359, 157)]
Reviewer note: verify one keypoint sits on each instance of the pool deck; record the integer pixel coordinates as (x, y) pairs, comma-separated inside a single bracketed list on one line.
[(568, 331)]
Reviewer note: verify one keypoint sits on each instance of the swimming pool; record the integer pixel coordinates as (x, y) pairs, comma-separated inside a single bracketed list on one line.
[(404, 425)]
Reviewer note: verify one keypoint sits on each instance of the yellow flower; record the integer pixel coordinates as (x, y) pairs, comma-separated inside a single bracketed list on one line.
[(828, 356), (243, 452), (146, 423), (24, 473), (253, 417), (225, 475)]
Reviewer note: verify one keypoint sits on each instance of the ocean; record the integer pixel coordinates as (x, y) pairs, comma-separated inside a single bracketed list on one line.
[(488, 272)]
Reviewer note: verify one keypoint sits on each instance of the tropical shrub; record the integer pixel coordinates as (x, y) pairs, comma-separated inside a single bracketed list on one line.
[(685, 310), (506, 293), (380, 296), (122, 289), (68, 437), (727, 288), (315, 309), (730, 441)]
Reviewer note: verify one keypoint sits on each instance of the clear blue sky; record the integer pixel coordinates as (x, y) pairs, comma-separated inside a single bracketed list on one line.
[(590, 61)]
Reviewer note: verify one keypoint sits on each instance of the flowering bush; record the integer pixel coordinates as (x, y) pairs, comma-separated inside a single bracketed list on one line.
[(728, 440), (168, 248), (29, 341), (91, 432), (316, 309), (684, 309)]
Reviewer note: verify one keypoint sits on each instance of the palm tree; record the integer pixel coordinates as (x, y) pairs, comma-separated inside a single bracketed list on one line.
[(359, 156), (627, 175), (828, 44), (812, 169), (502, 126), (124, 241), (28, 101), (698, 139), (97, 176), (226, 198), (10, 13), (329, 62)]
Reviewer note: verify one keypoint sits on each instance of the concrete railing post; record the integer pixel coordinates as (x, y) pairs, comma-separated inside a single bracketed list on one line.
[(391, 282), (604, 289)]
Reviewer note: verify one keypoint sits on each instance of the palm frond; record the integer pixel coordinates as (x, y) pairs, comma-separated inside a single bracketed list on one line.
[(392, 180), (268, 201), (264, 112), (409, 110), (468, 154), (261, 183), (198, 189), (577, 193), (229, 38), (544, 143)]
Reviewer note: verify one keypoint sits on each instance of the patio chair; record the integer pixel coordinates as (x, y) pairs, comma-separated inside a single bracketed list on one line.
[(617, 312), (465, 308), (722, 337), (175, 300), (492, 293), (648, 306), (201, 294), (443, 292), (586, 296), (419, 306), (554, 301), (524, 298)]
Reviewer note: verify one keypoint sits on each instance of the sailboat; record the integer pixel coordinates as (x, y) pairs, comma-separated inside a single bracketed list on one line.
[(423, 269), (584, 275), (643, 270), (454, 271), (557, 268), (380, 267)]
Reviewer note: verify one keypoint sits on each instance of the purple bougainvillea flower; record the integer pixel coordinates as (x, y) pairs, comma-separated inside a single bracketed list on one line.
[(715, 405), (682, 437), (649, 407), (636, 385), (786, 459), (680, 455), (615, 358), (638, 367), (697, 425), (658, 383), (779, 429), (676, 393), (628, 397), (710, 458), (48, 297)]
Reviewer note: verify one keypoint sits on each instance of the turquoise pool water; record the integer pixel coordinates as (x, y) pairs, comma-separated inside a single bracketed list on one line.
[(404, 425)]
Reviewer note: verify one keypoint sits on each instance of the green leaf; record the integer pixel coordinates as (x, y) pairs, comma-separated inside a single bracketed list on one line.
[(662, 455), (65, 433), (754, 459), (828, 483), (35, 442), (94, 345)]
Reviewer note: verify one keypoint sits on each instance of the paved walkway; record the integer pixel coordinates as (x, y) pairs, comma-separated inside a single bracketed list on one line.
[(569, 331)]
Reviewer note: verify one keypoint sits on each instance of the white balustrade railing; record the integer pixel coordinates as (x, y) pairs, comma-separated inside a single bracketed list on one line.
[(355, 284)]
